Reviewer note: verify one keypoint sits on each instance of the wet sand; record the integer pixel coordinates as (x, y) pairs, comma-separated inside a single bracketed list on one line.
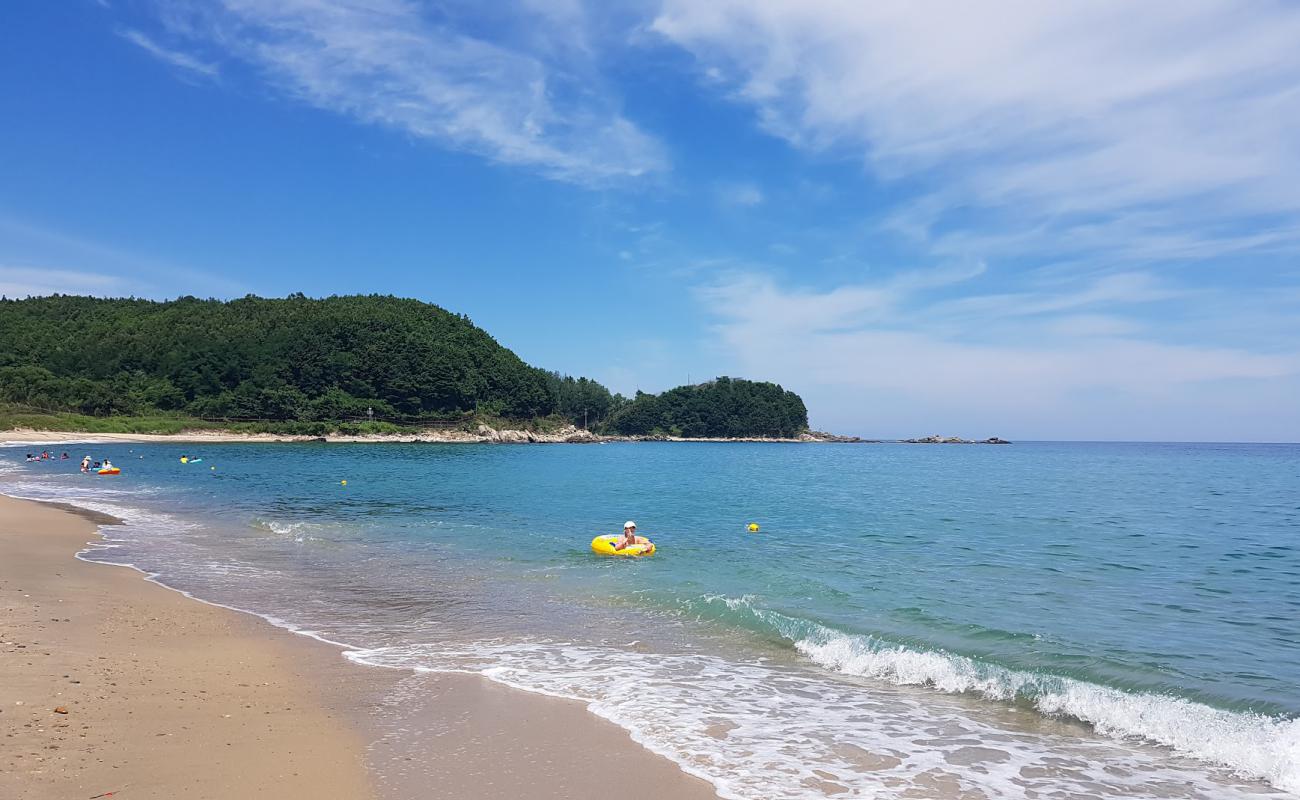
[(164, 696), (113, 684)]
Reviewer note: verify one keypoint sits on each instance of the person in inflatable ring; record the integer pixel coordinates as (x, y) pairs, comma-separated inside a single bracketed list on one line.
[(628, 538)]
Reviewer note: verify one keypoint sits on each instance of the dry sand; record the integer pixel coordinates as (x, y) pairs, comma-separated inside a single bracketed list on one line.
[(167, 697), (40, 440), (51, 439)]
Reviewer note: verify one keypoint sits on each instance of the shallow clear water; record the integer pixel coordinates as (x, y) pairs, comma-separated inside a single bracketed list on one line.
[(1078, 619)]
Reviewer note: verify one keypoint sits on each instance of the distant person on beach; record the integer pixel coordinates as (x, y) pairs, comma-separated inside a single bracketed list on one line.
[(628, 538)]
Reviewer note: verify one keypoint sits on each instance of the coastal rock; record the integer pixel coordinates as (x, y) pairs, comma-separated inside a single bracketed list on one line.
[(61, 710), (936, 439), (823, 436), (569, 433), (575, 435)]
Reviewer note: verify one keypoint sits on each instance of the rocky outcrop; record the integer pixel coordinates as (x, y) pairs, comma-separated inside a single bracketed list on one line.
[(487, 433), (823, 436), (575, 435), (936, 439), (569, 434), (953, 440)]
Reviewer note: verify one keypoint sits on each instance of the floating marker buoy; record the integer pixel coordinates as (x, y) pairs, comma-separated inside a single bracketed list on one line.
[(212, 468), (343, 483), (753, 527)]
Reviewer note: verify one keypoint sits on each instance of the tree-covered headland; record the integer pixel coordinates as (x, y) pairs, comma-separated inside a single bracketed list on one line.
[(726, 407), (315, 363)]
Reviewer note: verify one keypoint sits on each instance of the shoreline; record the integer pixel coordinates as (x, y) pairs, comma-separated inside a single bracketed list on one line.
[(154, 682), (113, 684), (483, 435)]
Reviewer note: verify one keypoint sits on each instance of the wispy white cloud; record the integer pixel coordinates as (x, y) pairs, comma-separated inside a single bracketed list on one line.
[(1113, 289), (176, 58), (1066, 365), (1085, 325), (1149, 133), (742, 194), (18, 282), (534, 99), (87, 266)]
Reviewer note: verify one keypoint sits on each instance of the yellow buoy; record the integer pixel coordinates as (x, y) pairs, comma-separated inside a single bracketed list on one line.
[(343, 483), (753, 527)]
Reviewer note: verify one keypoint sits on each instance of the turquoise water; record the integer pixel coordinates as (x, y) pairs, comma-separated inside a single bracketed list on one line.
[(1086, 619)]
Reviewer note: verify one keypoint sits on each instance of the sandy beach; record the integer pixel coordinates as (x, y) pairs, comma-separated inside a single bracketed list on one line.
[(113, 686), (570, 435)]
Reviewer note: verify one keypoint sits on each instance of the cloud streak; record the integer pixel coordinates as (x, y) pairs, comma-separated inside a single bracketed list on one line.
[(740, 195), (1026, 366), (1150, 133), (176, 58), (17, 282), (96, 268), (536, 103)]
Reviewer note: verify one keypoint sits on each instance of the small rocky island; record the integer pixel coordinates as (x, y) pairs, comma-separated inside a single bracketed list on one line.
[(954, 440)]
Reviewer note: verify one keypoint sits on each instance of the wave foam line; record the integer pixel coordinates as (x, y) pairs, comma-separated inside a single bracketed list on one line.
[(1251, 745)]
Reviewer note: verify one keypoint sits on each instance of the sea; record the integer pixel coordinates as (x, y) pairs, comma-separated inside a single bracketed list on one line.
[(1036, 620)]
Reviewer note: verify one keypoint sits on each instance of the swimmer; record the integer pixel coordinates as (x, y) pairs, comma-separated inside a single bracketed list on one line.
[(628, 538)]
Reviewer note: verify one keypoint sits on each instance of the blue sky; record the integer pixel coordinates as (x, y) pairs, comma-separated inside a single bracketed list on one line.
[(1072, 220)]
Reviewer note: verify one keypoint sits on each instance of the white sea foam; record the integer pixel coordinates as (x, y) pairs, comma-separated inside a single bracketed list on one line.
[(1250, 745), (770, 732), (297, 530)]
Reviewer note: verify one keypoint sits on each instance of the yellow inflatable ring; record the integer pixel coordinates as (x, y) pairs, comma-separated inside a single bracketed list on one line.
[(110, 471), (604, 545)]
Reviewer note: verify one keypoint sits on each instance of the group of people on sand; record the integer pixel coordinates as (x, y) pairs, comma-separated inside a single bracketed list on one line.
[(45, 455)]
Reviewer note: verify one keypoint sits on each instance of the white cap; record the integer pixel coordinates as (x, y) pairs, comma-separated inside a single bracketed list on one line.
[(629, 524)]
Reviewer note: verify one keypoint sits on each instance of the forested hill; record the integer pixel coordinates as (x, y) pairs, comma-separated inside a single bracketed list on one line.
[(726, 407), (300, 359), (280, 359)]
